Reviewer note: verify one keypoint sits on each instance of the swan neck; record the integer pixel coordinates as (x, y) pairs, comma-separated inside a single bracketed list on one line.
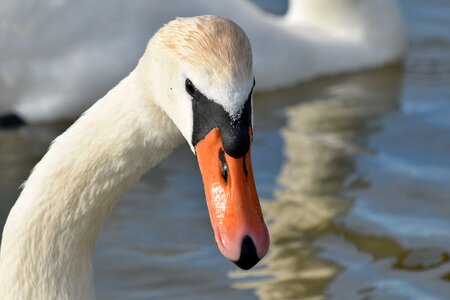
[(52, 229)]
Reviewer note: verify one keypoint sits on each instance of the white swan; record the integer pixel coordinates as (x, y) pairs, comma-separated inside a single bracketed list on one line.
[(195, 81), (50, 71)]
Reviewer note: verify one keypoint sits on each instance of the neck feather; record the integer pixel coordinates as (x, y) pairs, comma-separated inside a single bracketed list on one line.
[(51, 231)]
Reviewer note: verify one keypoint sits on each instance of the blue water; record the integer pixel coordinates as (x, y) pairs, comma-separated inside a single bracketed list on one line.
[(353, 172)]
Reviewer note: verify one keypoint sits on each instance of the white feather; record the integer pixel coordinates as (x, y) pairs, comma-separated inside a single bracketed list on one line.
[(49, 71), (50, 233)]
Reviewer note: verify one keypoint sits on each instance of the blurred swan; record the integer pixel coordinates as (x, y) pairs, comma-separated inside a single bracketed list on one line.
[(195, 80), (57, 57)]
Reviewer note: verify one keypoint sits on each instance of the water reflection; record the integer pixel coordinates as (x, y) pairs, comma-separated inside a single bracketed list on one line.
[(322, 137)]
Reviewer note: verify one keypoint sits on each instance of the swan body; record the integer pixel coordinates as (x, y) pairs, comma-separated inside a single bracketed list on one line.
[(51, 231), (50, 72)]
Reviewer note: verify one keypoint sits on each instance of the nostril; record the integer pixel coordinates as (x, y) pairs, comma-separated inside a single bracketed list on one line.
[(224, 167), (249, 257), (245, 168)]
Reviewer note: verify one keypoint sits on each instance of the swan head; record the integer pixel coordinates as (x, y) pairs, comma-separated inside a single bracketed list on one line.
[(202, 78)]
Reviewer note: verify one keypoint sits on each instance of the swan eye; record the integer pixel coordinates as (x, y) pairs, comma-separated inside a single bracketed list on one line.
[(190, 88), (224, 167)]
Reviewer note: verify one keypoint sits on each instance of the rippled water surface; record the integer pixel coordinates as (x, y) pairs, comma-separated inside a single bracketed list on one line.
[(353, 172)]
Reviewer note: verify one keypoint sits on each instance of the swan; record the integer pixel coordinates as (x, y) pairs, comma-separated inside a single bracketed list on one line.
[(100, 42), (194, 82)]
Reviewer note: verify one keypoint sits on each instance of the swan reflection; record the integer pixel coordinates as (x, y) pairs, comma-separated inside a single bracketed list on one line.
[(322, 137)]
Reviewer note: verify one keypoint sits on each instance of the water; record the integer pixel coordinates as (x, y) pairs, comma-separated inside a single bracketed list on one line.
[(353, 174)]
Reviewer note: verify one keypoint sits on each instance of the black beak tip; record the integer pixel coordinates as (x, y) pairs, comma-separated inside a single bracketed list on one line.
[(249, 257)]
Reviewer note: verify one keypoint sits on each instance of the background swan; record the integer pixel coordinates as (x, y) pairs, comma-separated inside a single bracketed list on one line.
[(194, 80), (57, 60)]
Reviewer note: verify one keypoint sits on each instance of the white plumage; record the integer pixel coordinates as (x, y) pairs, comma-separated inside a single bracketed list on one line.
[(56, 61), (50, 233)]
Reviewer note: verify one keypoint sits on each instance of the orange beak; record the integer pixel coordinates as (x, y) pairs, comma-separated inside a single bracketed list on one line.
[(233, 203)]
